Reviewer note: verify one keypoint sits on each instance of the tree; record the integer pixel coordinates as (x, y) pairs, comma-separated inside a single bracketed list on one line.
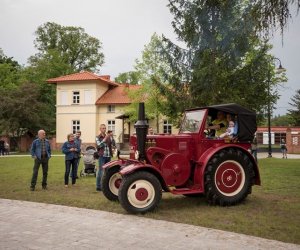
[(131, 77), (281, 120), (21, 111), (268, 15), (295, 112), (150, 67), (224, 60), (10, 72), (72, 44)]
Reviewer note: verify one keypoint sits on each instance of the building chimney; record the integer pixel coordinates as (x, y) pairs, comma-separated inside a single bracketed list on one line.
[(106, 77)]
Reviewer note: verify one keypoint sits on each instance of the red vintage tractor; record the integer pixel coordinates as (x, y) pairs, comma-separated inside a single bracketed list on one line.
[(190, 163)]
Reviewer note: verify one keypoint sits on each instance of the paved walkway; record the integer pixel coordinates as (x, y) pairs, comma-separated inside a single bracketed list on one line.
[(29, 225)]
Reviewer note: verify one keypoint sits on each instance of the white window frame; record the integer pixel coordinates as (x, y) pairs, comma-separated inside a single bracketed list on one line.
[(111, 108), (111, 125), (75, 126), (167, 127), (76, 97)]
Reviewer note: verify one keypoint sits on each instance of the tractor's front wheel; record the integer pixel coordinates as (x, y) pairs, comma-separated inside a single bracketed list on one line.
[(228, 177), (140, 192), (110, 183)]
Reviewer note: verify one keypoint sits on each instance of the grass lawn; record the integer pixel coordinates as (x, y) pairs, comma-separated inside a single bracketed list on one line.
[(272, 210)]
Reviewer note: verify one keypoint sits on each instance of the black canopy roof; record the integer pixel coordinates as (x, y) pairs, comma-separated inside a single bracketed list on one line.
[(246, 118)]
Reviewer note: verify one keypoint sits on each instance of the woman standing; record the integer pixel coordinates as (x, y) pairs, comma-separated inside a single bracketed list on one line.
[(72, 150), (283, 149)]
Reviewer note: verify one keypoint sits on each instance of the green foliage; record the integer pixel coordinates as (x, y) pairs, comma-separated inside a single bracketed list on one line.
[(281, 120), (224, 60), (10, 72), (74, 47), (21, 110), (131, 77), (149, 69), (269, 15), (295, 112)]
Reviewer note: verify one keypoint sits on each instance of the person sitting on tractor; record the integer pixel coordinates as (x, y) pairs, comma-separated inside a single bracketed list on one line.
[(219, 124), (229, 131)]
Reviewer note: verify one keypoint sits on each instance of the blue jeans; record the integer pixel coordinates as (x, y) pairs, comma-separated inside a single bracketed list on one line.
[(70, 163), (102, 160), (76, 169)]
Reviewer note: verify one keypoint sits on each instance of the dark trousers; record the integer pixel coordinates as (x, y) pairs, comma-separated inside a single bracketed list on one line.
[(76, 169), (71, 164), (37, 163)]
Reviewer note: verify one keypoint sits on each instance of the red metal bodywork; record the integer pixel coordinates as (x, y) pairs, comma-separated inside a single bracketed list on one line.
[(179, 161)]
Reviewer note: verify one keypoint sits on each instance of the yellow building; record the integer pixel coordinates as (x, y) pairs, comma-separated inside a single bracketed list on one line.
[(85, 100)]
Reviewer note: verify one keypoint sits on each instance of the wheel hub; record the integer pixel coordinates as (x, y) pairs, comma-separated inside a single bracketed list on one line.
[(229, 178), (118, 183), (141, 194)]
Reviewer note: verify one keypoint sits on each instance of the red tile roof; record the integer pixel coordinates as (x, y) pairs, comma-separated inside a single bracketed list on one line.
[(117, 95), (82, 76)]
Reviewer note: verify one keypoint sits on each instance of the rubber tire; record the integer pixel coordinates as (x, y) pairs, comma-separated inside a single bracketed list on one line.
[(128, 180), (213, 195), (108, 173)]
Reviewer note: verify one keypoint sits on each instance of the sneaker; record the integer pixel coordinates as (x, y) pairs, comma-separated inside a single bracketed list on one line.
[(98, 189), (66, 186), (45, 187), (32, 188)]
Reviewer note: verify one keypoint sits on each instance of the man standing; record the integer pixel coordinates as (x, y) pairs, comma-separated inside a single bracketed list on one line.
[(2, 149), (41, 153), (103, 143), (78, 141)]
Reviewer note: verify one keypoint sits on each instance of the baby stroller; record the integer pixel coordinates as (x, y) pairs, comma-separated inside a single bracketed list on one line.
[(89, 162)]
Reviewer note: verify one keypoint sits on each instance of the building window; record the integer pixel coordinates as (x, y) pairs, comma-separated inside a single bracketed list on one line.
[(75, 126), (64, 98), (167, 127), (88, 97), (111, 125), (76, 97), (111, 108)]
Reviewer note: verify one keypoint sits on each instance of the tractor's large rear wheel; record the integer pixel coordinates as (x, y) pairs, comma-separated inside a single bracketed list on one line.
[(111, 182), (140, 192), (228, 177)]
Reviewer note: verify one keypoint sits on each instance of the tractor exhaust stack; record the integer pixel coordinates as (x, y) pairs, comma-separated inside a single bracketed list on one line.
[(141, 127)]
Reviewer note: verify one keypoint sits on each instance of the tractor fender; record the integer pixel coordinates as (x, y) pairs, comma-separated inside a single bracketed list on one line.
[(140, 166), (207, 155), (119, 162)]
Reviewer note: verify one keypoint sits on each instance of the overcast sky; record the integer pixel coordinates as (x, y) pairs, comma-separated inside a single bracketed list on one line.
[(123, 27)]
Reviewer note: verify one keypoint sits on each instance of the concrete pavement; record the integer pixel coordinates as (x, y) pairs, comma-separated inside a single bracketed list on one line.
[(29, 225)]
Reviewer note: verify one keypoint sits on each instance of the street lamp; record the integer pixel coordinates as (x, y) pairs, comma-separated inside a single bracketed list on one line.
[(279, 70)]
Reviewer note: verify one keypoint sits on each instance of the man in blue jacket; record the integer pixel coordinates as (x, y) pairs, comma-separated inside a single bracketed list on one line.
[(41, 153)]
